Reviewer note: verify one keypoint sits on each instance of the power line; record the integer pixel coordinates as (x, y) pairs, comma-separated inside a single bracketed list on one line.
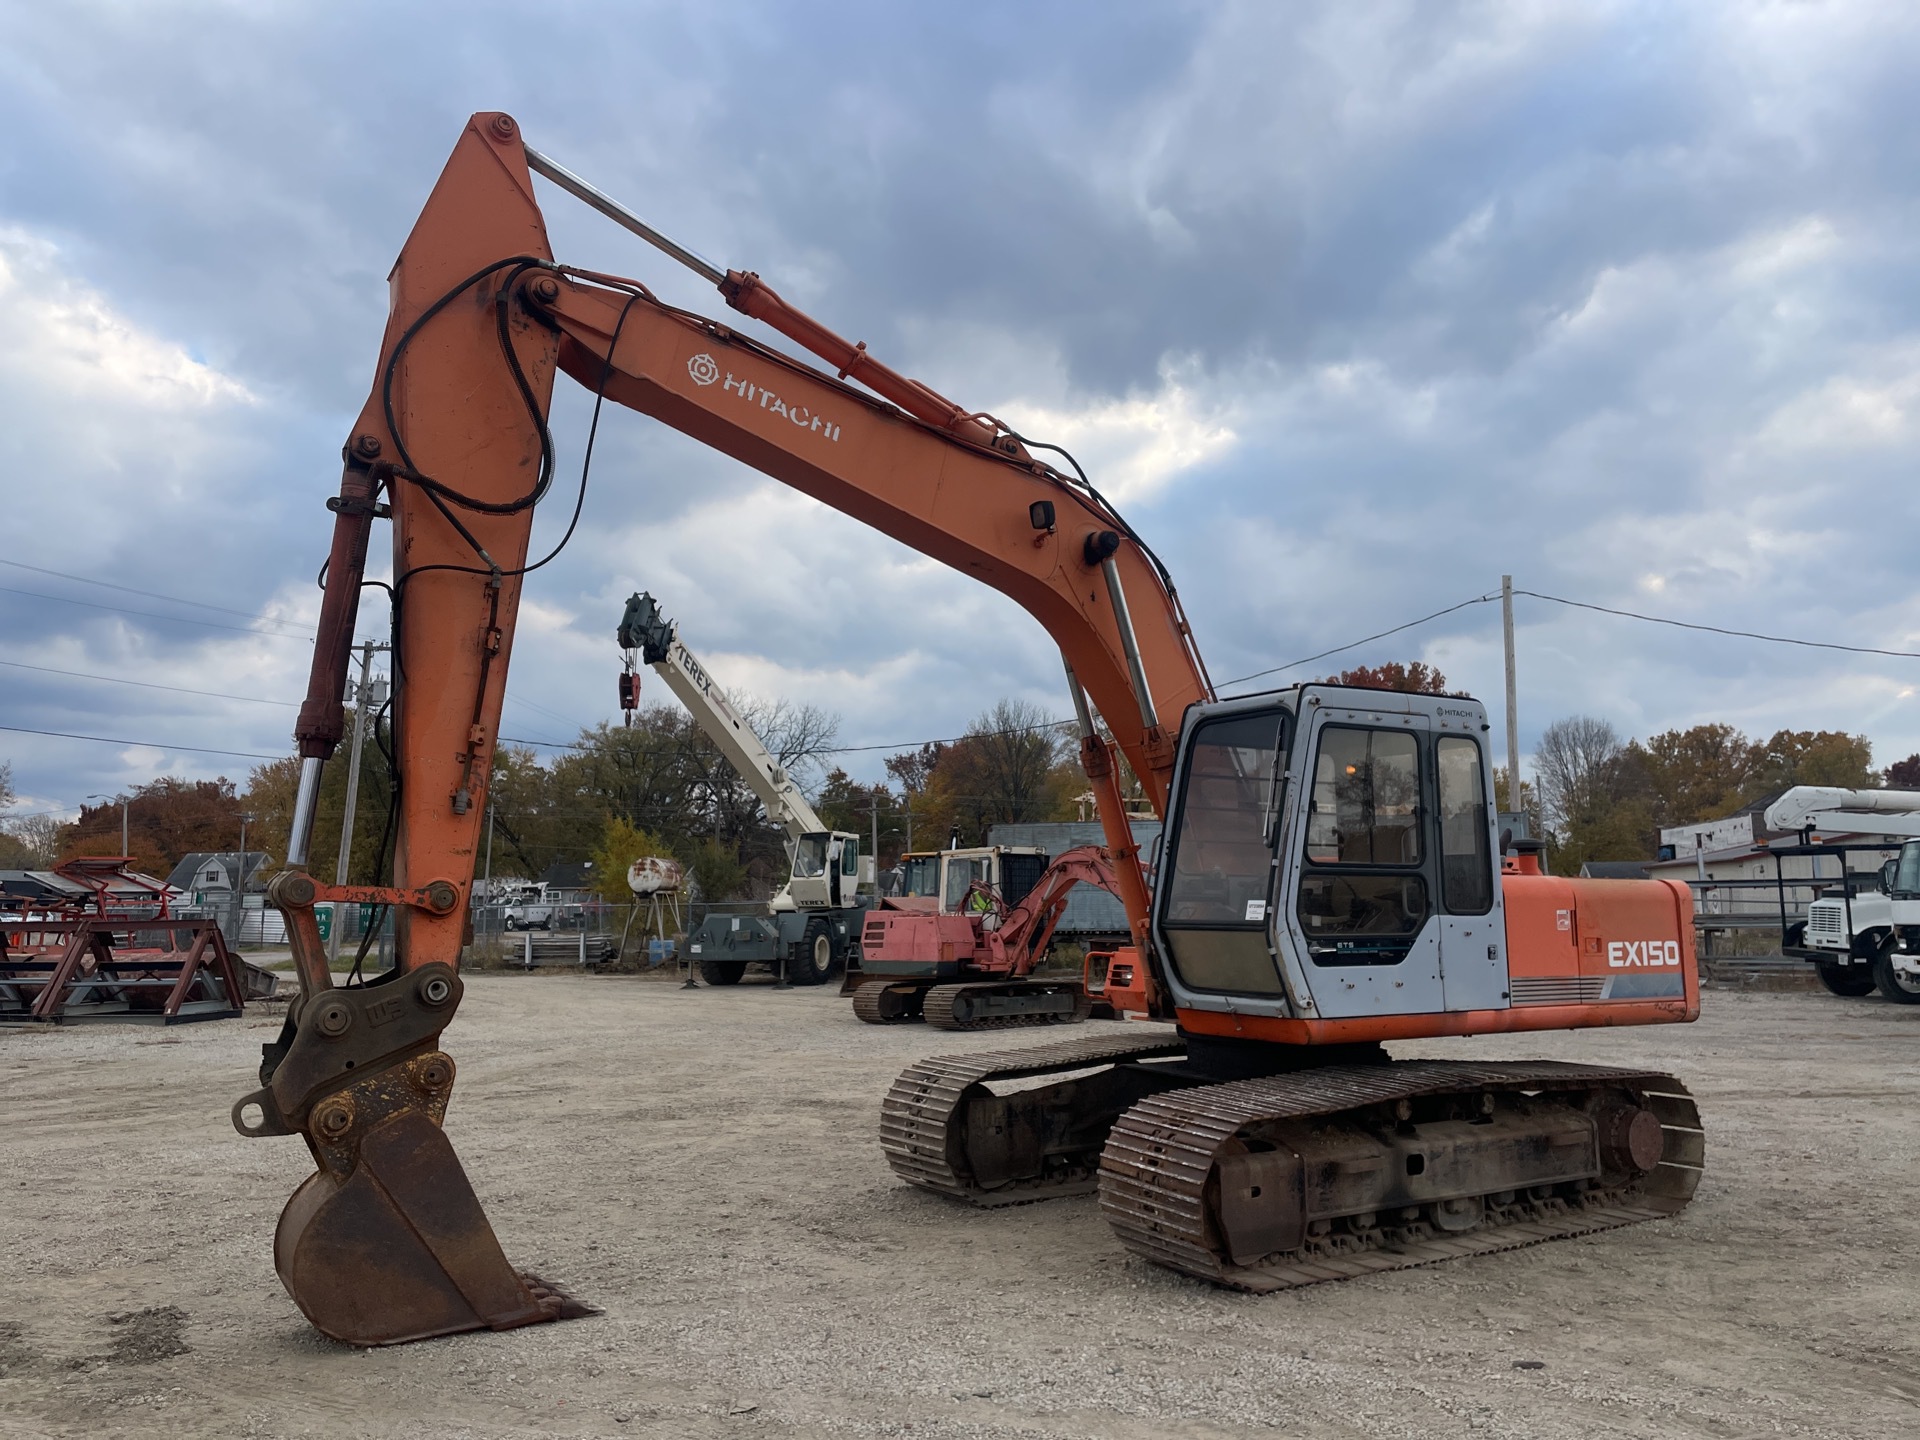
[(1720, 630), (1354, 644), (130, 590), (147, 684), (156, 615), (145, 744)]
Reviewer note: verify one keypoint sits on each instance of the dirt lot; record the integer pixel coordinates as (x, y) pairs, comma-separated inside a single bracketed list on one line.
[(703, 1165)]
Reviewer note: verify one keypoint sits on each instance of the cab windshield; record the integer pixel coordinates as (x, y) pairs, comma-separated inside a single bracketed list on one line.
[(1906, 876), (1218, 870), (810, 856), (922, 876)]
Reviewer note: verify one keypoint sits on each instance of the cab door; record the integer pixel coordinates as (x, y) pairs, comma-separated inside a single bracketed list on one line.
[(1361, 889), (1473, 928)]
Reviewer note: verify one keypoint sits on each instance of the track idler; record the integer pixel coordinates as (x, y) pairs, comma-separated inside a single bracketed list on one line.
[(386, 1242)]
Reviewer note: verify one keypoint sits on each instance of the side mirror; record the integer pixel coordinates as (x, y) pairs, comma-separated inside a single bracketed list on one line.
[(1887, 872)]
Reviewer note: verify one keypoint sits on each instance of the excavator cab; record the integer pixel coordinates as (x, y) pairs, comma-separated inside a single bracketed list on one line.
[(1331, 854)]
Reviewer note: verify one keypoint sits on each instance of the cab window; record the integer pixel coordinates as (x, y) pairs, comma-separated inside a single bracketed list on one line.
[(1466, 862), (1217, 869), (1366, 798), (961, 873), (849, 856), (1363, 894), (810, 856)]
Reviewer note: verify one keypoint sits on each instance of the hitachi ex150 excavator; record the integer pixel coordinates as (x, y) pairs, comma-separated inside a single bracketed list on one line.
[(1330, 881)]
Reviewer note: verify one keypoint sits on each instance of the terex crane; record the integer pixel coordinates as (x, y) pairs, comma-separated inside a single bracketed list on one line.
[(1330, 878), (814, 920)]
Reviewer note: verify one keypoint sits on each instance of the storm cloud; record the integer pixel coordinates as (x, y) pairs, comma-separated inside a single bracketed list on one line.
[(1353, 308)]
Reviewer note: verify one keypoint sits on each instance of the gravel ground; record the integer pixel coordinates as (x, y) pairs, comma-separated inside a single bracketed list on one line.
[(703, 1165)]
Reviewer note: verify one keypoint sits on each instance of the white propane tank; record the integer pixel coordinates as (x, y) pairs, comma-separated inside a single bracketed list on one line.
[(654, 875)]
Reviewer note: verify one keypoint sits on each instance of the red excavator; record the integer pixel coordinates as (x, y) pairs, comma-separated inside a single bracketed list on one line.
[(971, 968), (1331, 877)]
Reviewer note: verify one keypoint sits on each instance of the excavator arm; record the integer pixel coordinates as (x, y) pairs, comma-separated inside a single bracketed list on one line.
[(386, 1241), (1026, 927)]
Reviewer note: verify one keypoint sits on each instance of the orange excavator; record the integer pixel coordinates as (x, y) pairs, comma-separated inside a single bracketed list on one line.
[(1331, 877)]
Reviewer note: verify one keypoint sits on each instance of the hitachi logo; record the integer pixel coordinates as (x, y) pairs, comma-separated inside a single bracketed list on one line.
[(704, 370), (1643, 954)]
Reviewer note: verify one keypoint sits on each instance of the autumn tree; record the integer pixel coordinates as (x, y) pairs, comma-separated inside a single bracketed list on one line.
[(1418, 678), (846, 804), (1704, 773), (926, 810), (168, 819), (1813, 757), (1011, 767), (1904, 774), (270, 795)]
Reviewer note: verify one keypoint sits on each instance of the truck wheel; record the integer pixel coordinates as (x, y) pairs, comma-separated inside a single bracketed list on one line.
[(811, 961), (1852, 981), (1892, 984), (722, 972)]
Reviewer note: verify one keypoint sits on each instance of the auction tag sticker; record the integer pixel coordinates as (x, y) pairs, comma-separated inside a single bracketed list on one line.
[(1256, 909), (1563, 919)]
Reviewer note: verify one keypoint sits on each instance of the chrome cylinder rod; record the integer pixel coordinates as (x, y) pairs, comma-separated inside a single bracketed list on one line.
[(306, 799), (1080, 710), (620, 215), (1149, 717)]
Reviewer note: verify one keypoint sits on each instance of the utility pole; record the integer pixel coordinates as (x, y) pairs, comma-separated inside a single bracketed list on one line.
[(240, 885), (875, 813), (363, 701), (122, 798), (1513, 698)]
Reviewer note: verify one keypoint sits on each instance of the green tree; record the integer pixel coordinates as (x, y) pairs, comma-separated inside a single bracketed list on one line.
[(716, 872), (269, 799), (622, 843)]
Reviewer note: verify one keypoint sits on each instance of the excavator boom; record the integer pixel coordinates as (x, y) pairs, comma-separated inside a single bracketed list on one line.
[(1329, 878)]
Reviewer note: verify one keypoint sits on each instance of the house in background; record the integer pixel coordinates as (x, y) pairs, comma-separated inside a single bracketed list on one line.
[(207, 878), (568, 882)]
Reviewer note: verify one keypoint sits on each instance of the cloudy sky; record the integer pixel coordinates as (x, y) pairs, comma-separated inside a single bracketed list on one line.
[(1353, 307)]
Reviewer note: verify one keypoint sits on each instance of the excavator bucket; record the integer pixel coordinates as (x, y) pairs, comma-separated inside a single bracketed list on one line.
[(386, 1242)]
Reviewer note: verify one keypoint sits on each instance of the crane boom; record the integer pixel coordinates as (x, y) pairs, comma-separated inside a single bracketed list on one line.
[(646, 630), (1826, 807)]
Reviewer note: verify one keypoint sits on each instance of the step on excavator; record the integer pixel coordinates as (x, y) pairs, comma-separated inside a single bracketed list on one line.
[(1331, 879)]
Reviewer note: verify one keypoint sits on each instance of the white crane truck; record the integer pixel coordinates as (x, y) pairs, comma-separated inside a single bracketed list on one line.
[(1860, 938), (811, 927)]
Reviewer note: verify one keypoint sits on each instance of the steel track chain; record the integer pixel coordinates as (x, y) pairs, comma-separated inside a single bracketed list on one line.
[(1159, 1155), (918, 1117), (941, 1000)]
